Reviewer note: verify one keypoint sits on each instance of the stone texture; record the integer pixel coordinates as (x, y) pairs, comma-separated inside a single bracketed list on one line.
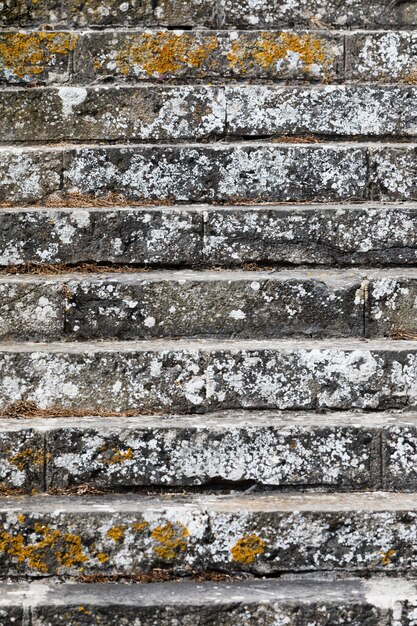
[(393, 173), (226, 174), (22, 458), (318, 13), (112, 114), (266, 448), (27, 175), (328, 110), (31, 310), (196, 55), (383, 57), (100, 13), (268, 602), (262, 534), (393, 305), (335, 235), (400, 454), (148, 236), (35, 57), (229, 304), (193, 376)]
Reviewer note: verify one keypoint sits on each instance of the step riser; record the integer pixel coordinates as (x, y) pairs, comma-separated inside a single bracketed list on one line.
[(195, 379), (231, 13), (257, 305), (258, 173), (117, 454), (225, 237), (196, 536), (198, 112)]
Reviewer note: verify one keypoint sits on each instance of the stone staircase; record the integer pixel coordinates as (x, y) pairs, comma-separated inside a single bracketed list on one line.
[(208, 313)]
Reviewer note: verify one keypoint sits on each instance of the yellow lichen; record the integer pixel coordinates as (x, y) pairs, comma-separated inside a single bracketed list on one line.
[(139, 527), (21, 518), (27, 457), (172, 540), (163, 53), (67, 549), (387, 556), (27, 54), (270, 48), (102, 557), (116, 533), (247, 548), (116, 456)]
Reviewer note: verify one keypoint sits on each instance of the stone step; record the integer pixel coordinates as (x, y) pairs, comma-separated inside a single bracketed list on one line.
[(224, 173), (263, 534), (354, 602), (196, 376), (369, 234), (193, 13), (195, 112), (288, 303), (221, 451)]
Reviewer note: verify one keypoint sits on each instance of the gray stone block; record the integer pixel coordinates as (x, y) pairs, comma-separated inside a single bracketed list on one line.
[(393, 304), (317, 13), (382, 57), (141, 113), (328, 110), (257, 534), (196, 55), (28, 174), (229, 304), (22, 458), (393, 173), (400, 453), (149, 236), (226, 174), (192, 376), (336, 235), (228, 448)]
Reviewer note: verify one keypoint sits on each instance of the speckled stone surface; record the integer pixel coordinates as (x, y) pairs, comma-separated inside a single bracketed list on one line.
[(352, 601), (263, 534), (204, 236), (192, 376)]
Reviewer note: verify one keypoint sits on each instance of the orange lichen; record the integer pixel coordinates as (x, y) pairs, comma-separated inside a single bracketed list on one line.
[(66, 549), (164, 53), (172, 540), (270, 48), (116, 533), (139, 527), (116, 456), (21, 518), (27, 54), (102, 557), (387, 556), (27, 457), (247, 548)]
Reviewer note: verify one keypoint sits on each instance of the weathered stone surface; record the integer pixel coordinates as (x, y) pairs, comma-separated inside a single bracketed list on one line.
[(268, 448), (328, 110), (186, 304), (35, 57), (27, 175), (381, 374), (150, 236), (22, 458), (32, 310), (295, 602), (141, 113), (335, 235), (393, 172), (393, 304), (191, 376), (176, 55), (400, 453), (99, 13), (262, 534), (388, 57), (317, 13), (226, 174)]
